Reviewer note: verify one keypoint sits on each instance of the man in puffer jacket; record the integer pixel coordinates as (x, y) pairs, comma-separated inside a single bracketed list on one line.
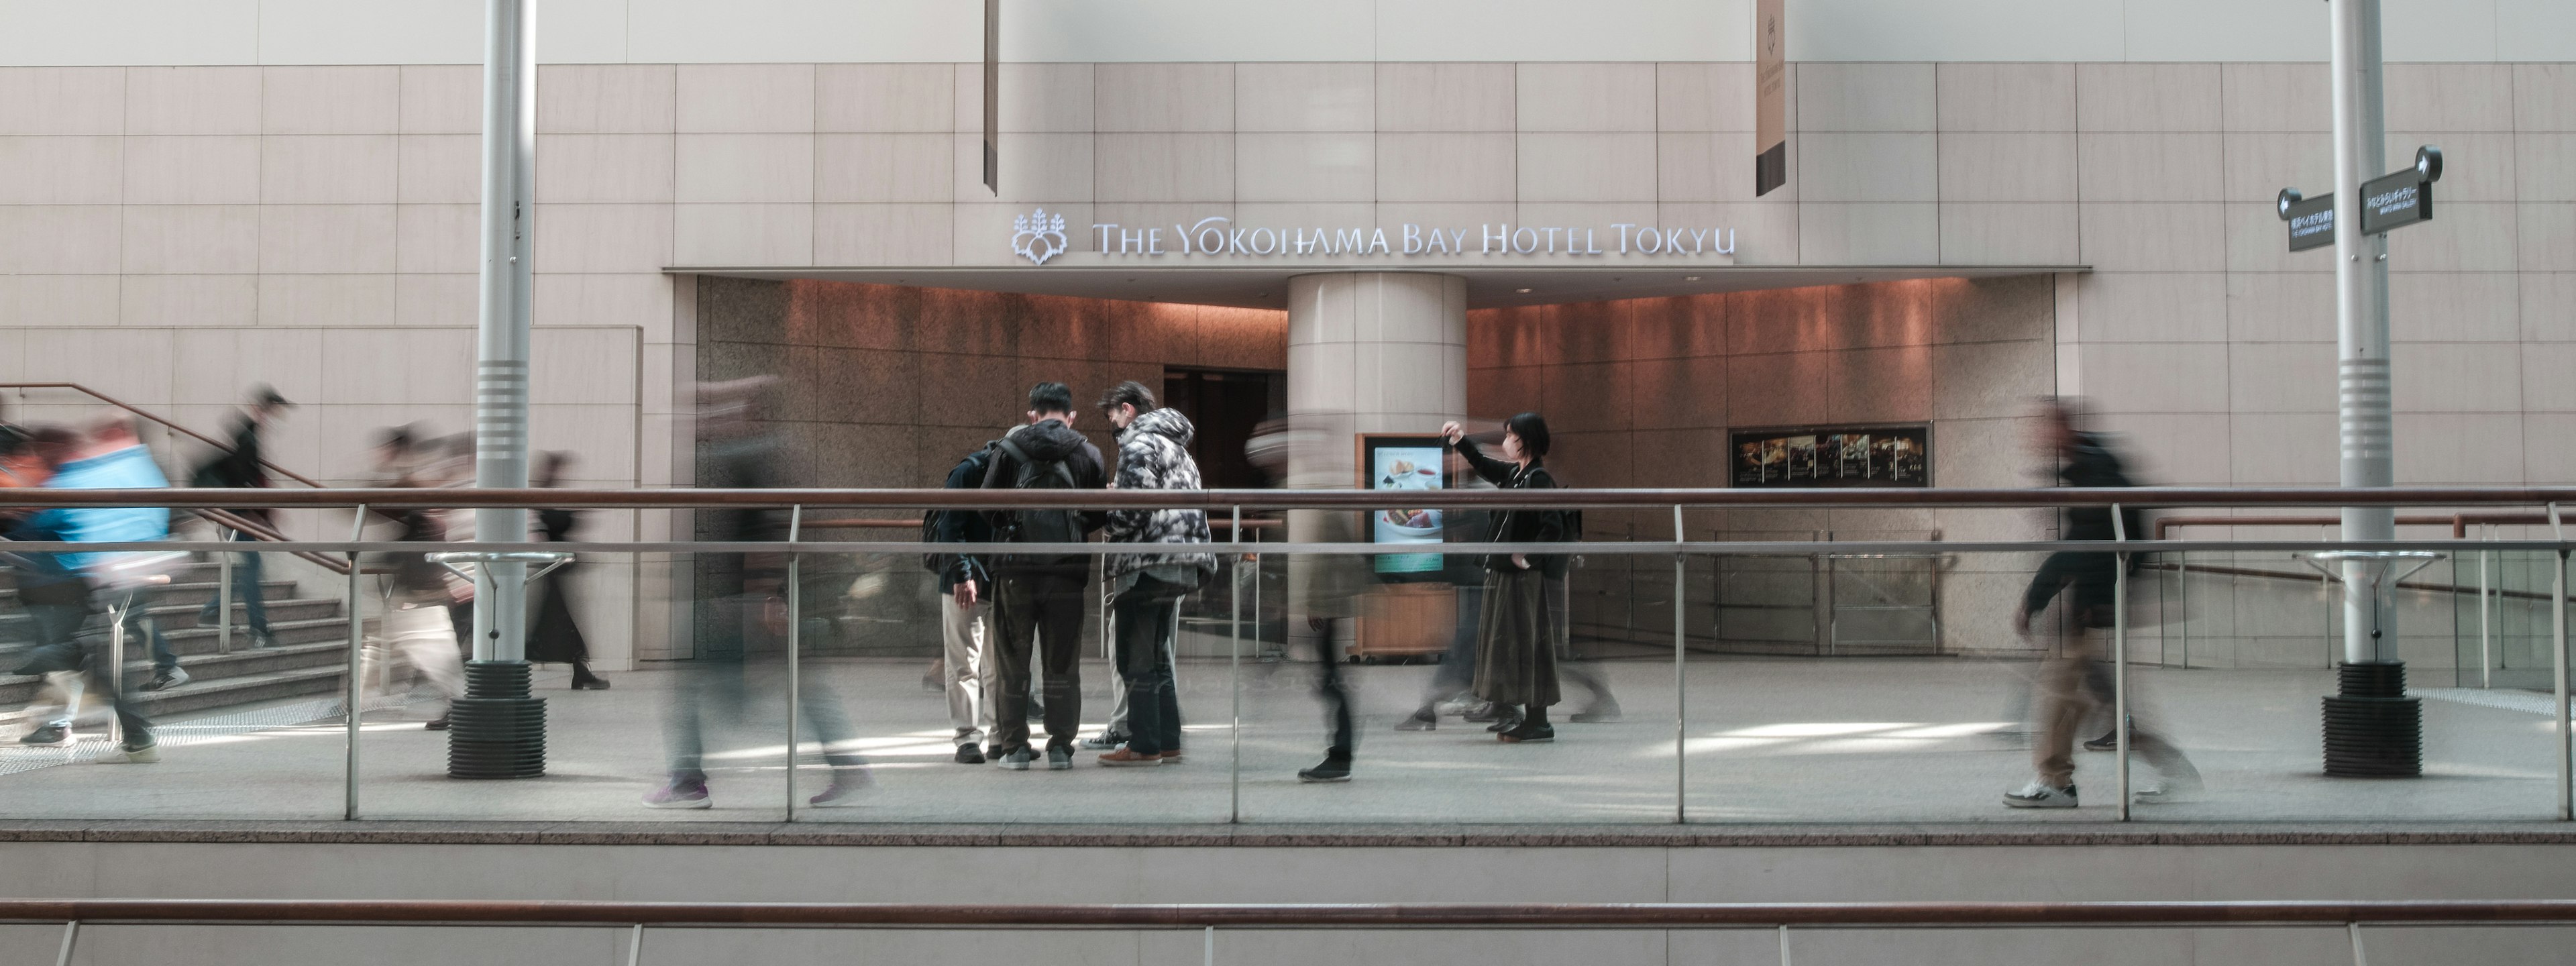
[(1153, 454)]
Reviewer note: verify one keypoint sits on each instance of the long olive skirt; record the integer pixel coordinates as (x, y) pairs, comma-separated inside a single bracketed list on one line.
[(1515, 643)]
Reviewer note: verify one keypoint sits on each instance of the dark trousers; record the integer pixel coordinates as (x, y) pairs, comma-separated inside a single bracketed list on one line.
[(1040, 609), (720, 685), (1336, 695), (1146, 613), (246, 573)]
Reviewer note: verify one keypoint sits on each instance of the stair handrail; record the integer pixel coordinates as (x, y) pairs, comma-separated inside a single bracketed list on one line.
[(172, 426)]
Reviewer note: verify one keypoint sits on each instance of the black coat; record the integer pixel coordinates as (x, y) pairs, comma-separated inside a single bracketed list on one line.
[(1522, 525), (554, 636)]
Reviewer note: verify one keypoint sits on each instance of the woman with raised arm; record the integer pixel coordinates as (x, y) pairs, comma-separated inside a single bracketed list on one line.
[(1516, 645)]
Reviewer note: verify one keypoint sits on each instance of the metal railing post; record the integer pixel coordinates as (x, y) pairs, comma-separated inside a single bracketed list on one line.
[(2182, 602), (71, 931), (2486, 594), (795, 633), (1235, 674), (1681, 689), (2558, 667), (357, 689), (1209, 956), (224, 596), (2120, 659), (1784, 944), (2353, 929), (635, 946), (115, 668)]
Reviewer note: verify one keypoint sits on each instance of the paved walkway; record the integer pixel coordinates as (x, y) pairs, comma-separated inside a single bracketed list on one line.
[(1771, 741)]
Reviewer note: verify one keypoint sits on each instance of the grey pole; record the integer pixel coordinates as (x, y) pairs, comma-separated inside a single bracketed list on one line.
[(499, 728), (2361, 322), (501, 346)]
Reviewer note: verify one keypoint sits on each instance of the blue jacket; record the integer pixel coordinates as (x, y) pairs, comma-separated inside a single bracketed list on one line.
[(130, 468)]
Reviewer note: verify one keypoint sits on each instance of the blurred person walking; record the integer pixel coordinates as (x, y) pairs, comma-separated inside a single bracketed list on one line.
[(1153, 454), (744, 598), (1516, 646), (241, 468), (553, 636), (966, 671), (77, 592), (1039, 596), (418, 623), (2070, 690)]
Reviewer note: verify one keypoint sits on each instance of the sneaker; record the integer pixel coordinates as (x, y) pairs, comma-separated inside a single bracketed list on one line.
[(679, 794), (263, 640), (1103, 741), (1597, 714), (1480, 712), (51, 734), (1059, 758), (435, 724), (1171, 756), (970, 755), (1529, 733), (1422, 720), (1017, 760), (1455, 705), (2039, 795), (590, 684), (143, 754), (1122, 758), (1332, 770), (166, 679), (2110, 740), (846, 782)]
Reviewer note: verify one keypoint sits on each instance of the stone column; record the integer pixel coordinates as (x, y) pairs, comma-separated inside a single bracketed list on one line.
[(1368, 352)]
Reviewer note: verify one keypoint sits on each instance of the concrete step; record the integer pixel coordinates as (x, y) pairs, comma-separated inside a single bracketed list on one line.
[(175, 615), (208, 671), (246, 689), (190, 593)]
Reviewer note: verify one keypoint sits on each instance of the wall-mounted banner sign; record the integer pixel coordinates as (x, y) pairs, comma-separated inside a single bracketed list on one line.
[(1222, 237), (1834, 456), (1770, 99)]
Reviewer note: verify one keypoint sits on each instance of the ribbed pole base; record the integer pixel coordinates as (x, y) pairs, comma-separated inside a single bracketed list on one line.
[(2372, 729), (496, 730)]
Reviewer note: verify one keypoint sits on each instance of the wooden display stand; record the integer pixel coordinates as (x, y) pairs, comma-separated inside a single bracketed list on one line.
[(1405, 621)]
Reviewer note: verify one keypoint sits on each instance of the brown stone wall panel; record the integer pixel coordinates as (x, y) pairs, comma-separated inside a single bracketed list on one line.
[(1585, 331), (956, 320), (1990, 380), (865, 454), (1676, 328), (1686, 393), (742, 310), (724, 361), (1589, 460), (1497, 393), (1873, 385), (852, 316), (938, 449), (1231, 338), (1777, 389), (1832, 317), (1507, 337), (1586, 396), (854, 385), (965, 390), (1693, 457)]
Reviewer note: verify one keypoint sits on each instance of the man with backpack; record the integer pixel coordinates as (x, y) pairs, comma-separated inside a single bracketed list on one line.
[(967, 670), (1038, 597)]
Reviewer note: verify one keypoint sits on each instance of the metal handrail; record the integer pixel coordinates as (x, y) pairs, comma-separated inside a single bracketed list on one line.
[(683, 499), (147, 414), (1641, 915)]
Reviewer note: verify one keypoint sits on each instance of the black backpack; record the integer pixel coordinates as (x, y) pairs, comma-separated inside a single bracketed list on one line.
[(967, 474), (1042, 526)]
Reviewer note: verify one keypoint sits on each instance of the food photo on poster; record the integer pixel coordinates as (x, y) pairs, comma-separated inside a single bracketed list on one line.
[(1401, 463), (1833, 456)]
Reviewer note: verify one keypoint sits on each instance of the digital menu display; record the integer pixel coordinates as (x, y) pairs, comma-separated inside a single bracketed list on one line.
[(1398, 464)]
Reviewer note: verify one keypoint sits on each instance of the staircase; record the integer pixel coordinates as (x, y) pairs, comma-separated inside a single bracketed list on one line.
[(309, 656)]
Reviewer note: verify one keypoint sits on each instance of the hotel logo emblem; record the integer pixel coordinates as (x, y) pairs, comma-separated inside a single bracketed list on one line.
[(1040, 236)]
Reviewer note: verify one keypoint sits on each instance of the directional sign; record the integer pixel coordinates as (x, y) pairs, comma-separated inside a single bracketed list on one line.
[(2401, 198), (2311, 219)]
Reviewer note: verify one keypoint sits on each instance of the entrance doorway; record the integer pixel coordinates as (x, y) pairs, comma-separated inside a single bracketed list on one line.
[(1227, 406)]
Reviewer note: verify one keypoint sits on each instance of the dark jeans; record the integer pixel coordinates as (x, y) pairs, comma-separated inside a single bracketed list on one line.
[(1145, 614), (1336, 695), (1040, 609), (246, 573)]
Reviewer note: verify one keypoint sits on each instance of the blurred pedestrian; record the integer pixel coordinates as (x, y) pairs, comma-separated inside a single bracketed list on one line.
[(88, 599), (2067, 692), (553, 636), (1516, 649), (1040, 603), (418, 625), (1153, 454), (242, 467)]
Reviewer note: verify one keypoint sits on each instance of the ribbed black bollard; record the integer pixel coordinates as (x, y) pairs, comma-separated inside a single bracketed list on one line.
[(496, 730), (2373, 730)]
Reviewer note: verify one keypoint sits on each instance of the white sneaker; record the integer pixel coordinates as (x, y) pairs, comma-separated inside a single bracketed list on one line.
[(2170, 788), (132, 755), (2040, 795)]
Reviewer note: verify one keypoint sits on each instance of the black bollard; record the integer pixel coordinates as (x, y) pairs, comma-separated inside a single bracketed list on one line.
[(2372, 729), (496, 730)]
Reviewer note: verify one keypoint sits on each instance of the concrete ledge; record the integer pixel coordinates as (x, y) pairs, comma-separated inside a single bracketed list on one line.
[(1281, 836)]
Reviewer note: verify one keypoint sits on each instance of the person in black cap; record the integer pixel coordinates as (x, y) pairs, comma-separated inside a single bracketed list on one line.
[(240, 467)]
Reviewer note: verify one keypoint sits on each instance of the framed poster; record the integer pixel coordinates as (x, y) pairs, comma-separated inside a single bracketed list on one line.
[(1396, 462), (1824, 456)]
